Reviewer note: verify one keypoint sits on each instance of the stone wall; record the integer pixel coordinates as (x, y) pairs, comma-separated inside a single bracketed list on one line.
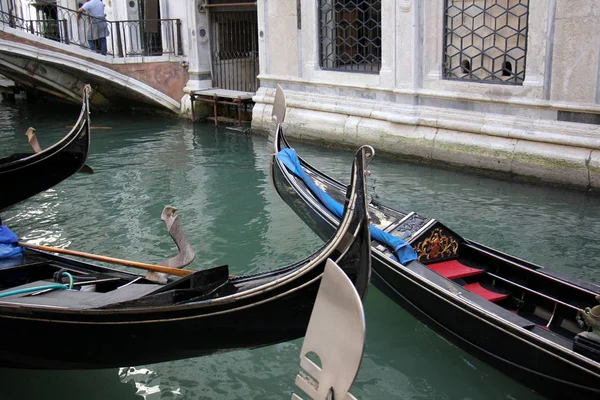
[(408, 109)]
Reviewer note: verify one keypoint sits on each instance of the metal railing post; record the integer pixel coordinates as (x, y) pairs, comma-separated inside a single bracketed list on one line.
[(179, 50), (119, 39), (65, 30)]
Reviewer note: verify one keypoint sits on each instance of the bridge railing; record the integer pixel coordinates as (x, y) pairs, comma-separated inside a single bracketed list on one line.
[(151, 37)]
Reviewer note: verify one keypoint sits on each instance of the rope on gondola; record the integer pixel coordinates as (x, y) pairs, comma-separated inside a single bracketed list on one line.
[(62, 272), (54, 286)]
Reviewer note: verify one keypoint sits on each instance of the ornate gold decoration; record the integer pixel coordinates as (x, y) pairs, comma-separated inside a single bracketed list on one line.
[(437, 245)]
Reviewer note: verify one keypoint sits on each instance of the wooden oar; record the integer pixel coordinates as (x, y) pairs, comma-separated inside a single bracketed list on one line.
[(128, 263)]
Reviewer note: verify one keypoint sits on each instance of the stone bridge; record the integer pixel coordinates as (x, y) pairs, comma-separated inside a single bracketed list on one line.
[(43, 65)]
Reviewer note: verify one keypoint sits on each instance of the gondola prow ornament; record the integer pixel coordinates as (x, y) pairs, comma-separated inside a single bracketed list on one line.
[(336, 334)]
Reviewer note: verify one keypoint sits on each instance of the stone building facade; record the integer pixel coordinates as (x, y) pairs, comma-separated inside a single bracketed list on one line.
[(511, 86)]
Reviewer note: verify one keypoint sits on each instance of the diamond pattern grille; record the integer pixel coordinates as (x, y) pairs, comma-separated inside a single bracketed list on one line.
[(350, 35), (486, 40)]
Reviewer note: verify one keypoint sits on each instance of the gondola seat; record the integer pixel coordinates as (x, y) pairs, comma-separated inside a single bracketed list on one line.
[(485, 293), (453, 269)]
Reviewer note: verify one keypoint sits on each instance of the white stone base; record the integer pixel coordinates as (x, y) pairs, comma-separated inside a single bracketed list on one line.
[(555, 152)]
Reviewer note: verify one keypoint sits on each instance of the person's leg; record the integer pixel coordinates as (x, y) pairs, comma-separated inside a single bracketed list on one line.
[(102, 46), (92, 44)]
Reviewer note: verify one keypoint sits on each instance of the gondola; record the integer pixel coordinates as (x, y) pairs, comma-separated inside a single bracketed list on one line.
[(26, 174), (538, 326), (110, 318)]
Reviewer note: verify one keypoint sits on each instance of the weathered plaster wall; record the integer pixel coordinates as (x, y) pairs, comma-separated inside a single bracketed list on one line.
[(575, 63), (283, 47), (167, 77)]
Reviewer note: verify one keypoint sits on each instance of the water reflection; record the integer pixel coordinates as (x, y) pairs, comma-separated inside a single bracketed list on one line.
[(142, 380), (229, 163), (65, 385)]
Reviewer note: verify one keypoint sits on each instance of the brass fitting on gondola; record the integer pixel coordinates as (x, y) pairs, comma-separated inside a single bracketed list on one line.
[(590, 317)]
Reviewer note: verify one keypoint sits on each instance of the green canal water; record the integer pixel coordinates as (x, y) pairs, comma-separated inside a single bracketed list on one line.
[(218, 180)]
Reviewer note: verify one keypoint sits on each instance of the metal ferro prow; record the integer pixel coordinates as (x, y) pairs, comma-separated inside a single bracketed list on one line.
[(336, 334)]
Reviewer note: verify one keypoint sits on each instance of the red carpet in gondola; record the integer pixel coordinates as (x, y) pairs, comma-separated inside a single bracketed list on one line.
[(485, 293), (454, 270)]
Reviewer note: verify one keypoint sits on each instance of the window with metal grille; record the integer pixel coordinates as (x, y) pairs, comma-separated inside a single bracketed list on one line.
[(486, 40), (350, 35), (236, 34)]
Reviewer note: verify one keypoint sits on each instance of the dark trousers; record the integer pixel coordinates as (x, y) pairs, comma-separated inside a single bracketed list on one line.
[(99, 45)]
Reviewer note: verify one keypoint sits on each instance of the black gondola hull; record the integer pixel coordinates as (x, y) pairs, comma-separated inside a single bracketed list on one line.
[(25, 175), (37, 343), (502, 342), (124, 319), (524, 358), (54, 338)]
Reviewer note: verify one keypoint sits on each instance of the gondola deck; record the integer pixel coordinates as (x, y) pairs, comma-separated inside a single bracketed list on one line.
[(94, 290)]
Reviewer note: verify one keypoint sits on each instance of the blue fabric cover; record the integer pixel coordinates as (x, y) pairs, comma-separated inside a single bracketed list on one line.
[(8, 243), (404, 252)]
